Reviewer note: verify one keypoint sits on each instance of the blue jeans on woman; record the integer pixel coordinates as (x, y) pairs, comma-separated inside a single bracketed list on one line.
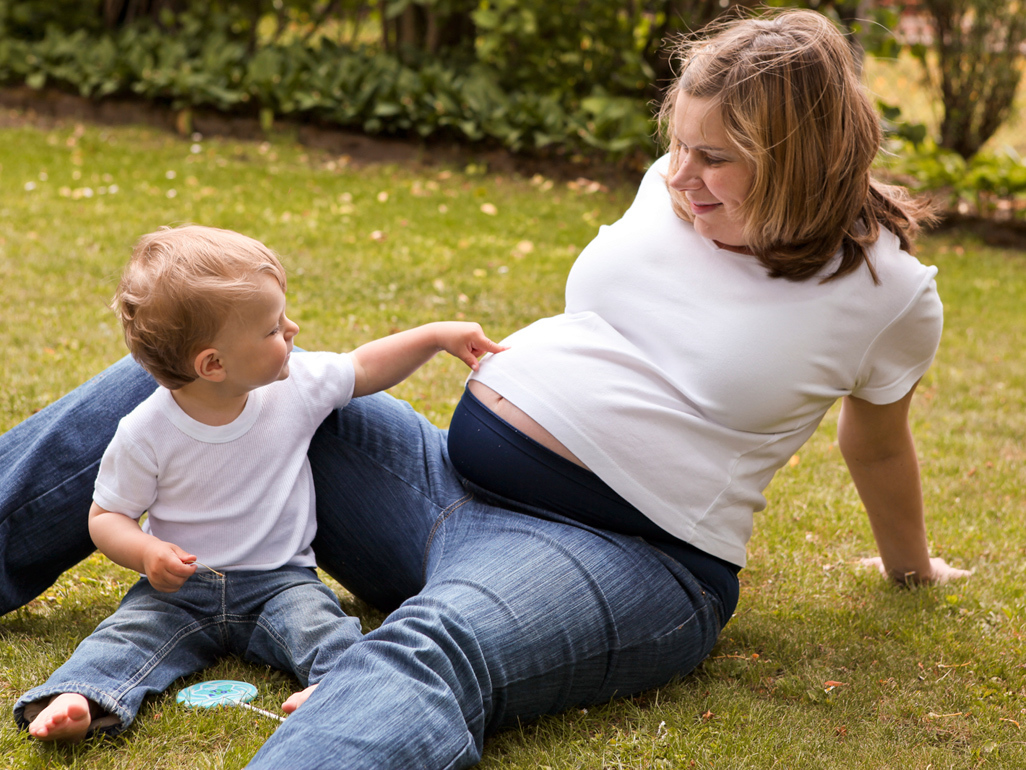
[(284, 618), (499, 613)]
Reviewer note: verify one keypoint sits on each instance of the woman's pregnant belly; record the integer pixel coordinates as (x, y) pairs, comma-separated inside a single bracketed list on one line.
[(520, 420)]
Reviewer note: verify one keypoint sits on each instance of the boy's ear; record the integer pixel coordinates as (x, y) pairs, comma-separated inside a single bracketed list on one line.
[(208, 365)]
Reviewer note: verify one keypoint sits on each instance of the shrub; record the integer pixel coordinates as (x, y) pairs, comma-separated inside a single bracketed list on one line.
[(207, 64), (979, 56), (526, 74), (989, 184)]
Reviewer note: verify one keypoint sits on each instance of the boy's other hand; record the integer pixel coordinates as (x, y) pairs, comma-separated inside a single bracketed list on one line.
[(167, 566)]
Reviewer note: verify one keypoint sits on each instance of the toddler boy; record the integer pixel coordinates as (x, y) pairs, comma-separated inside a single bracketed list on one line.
[(217, 457)]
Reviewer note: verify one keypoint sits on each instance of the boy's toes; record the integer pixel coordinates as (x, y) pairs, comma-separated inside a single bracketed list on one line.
[(66, 718), (297, 699)]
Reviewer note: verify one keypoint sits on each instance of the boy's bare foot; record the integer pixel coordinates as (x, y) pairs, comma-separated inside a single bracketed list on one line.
[(297, 699), (66, 718)]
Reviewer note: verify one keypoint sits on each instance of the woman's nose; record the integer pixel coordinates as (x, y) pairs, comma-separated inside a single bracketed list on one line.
[(685, 177)]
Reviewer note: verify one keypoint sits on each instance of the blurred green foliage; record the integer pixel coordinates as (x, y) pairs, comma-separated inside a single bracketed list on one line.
[(525, 74)]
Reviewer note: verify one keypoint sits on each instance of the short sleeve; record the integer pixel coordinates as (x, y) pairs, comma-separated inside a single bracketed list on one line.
[(904, 350), (326, 383), (127, 480)]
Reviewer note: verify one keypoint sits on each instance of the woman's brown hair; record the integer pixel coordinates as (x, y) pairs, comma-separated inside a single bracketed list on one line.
[(793, 106)]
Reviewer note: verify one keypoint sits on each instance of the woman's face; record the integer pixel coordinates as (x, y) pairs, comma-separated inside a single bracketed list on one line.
[(714, 178)]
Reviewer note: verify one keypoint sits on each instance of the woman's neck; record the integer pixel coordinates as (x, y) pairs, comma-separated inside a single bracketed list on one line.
[(735, 249)]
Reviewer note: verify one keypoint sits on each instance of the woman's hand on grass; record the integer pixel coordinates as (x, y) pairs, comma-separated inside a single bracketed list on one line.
[(940, 572)]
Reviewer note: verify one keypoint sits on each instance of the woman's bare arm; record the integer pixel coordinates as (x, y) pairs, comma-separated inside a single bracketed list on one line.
[(881, 456)]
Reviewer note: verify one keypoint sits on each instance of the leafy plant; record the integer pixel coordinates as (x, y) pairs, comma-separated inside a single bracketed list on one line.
[(206, 65), (894, 124), (987, 183), (525, 74), (978, 44)]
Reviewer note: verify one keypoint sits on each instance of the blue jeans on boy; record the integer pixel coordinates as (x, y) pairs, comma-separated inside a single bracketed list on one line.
[(498, 613), (284, 618)]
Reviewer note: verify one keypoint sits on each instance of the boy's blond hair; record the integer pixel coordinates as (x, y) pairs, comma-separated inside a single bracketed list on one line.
[(180, 288)]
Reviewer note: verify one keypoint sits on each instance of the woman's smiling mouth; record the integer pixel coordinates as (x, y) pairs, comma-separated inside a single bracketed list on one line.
[(702, 208)]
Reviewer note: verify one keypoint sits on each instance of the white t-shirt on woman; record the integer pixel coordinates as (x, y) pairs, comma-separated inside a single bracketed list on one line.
[(684, 376)]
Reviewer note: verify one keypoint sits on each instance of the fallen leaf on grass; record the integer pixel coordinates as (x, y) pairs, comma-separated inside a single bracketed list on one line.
[(524, 247)]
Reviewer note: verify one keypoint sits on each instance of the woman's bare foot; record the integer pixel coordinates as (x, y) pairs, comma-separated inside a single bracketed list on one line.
[(297, 699), (66, 718)]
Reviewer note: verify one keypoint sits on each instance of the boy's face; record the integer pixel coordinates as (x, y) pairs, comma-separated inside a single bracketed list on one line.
[(255, 344)]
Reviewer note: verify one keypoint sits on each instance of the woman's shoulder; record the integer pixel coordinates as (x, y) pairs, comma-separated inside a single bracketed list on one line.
[(660, 165), (655, 176), (652, 201), (895, 266)]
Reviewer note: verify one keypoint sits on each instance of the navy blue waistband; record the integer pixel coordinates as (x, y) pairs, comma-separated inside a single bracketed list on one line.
[(495, 456)]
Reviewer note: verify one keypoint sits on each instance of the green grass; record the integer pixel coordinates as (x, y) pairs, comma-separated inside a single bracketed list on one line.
[(933, 677)]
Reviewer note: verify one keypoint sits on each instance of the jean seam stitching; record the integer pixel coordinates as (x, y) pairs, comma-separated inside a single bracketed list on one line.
[(446, 513), (470, 747), (273, 633), (159, 655), (91, 468)]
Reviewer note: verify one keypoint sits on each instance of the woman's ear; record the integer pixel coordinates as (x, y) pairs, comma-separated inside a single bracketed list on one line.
[(209, 366)]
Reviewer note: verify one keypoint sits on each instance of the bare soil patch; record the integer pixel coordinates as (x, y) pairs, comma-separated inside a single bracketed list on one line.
[(20, 105)]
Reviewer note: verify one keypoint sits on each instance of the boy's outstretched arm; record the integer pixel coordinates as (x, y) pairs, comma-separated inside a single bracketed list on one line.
[(390, 360), (121, 540)]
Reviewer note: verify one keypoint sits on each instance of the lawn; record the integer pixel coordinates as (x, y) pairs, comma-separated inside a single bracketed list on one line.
[(824, 664)]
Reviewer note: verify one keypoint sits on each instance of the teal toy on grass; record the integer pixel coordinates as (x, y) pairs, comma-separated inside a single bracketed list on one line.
[(222, 692)]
